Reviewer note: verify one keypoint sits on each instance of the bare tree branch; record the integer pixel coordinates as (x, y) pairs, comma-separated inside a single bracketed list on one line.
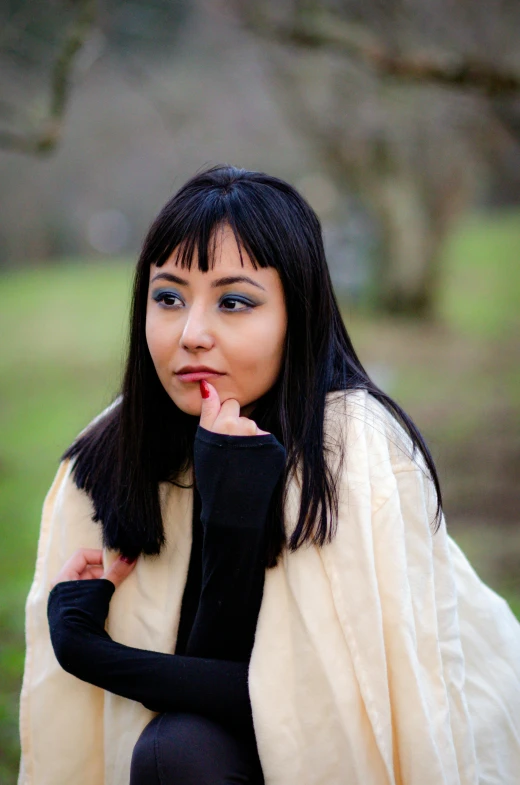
[(318, 29), (45, 138)]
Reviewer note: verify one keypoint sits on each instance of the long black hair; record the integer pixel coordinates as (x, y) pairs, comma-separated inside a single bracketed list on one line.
[(144, 438)]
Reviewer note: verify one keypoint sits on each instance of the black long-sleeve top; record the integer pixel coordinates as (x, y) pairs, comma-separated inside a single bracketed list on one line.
[(235, 479)]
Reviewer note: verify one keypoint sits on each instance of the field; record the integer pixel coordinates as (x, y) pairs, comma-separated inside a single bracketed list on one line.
[(63, 331)]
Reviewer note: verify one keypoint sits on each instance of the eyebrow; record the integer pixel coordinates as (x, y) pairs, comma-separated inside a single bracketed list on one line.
[(229, 279)]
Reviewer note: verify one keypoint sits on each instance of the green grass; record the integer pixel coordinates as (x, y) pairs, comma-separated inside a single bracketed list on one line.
[(63, 330), (61, 363), (481, 266)]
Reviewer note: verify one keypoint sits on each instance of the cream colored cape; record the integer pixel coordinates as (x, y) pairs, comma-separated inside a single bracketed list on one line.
[(379, 659)]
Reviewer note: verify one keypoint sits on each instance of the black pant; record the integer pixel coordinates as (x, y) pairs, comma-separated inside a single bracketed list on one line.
[(187, 749)]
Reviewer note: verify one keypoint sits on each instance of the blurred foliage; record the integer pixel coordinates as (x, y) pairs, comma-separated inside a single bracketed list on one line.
[(410, 105), (32, 31), (45, 47), (60, 365)]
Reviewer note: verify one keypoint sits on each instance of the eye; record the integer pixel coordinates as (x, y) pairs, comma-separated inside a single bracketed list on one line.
[(248, 305), (166, 298)]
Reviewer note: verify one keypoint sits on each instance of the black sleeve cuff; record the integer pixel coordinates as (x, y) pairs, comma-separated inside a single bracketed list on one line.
[(232, 441), (68, 598)]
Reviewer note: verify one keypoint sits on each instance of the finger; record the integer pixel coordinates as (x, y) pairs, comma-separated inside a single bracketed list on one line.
[(92, 555), (252, 428), (93, 572), (84, 560), (210, 406), (229, 420), (65, 575), (119, 570), (83, 557), (248, 427), (259, 431), (77, 563)]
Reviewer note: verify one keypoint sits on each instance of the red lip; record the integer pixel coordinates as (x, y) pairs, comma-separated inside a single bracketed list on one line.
[(192, 373), (196, 369)]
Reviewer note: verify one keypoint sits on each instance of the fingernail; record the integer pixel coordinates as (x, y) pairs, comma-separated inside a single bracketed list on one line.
[(127, 559), (204, 389)]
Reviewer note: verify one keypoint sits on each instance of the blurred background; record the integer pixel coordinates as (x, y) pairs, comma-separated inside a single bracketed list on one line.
[(400, 123)]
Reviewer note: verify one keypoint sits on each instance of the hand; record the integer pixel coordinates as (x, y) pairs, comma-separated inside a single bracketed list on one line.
[(87, 563), (225, 417)]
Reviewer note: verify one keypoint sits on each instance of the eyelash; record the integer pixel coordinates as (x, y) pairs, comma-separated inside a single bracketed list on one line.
[(160, 297)]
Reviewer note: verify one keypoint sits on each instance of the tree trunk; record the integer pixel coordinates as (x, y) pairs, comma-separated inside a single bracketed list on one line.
[(406, 267)]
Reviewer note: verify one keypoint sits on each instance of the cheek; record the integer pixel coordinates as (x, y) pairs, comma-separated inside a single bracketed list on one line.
[(159, 344), (260, 349)]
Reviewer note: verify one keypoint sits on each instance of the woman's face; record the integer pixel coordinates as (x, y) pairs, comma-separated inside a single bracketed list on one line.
[(234, 327)]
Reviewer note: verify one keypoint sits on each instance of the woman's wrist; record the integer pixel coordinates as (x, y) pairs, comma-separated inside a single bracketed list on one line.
[(233, 441), (82, 585), (68, 598)]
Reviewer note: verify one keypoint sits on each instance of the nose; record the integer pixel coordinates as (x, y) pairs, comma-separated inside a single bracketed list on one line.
[(196, 333)]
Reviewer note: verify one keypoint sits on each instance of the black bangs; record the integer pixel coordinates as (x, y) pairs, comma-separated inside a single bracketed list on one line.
[(191, 223), (202, 239), (266, 217)]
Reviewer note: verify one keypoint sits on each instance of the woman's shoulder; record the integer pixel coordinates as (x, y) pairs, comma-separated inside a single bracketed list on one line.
[(65, 502), (373, 452), (100, 417), (90, 448), (359, 421), (94, 433)]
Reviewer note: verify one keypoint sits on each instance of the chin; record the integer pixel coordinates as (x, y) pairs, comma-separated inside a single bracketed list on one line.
[(193, 408), (189, 403)]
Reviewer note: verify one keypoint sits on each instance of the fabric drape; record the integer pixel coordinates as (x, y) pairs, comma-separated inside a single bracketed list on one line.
[(380, 658)]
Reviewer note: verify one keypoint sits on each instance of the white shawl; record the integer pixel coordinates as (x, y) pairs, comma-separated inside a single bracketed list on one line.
[(379, 659)]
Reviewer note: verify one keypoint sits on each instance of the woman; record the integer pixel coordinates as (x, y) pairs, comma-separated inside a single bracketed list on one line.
[(291, 608)]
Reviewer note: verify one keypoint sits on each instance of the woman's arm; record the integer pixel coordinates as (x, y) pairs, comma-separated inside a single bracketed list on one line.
[(236, 477), (206, 681), (77, 610)]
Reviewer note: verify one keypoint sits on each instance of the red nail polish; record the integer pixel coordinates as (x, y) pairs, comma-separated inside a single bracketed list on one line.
[(127, 559), (204, 389)]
